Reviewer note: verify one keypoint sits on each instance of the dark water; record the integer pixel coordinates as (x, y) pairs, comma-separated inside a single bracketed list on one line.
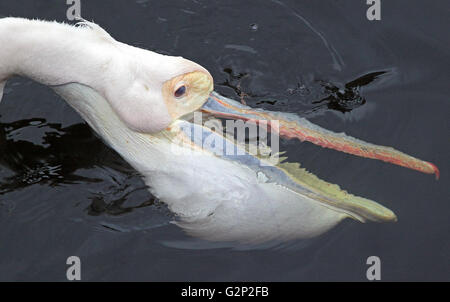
[(63, 192)]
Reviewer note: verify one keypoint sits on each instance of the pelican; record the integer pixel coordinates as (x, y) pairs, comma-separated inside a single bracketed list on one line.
[(143, 105)]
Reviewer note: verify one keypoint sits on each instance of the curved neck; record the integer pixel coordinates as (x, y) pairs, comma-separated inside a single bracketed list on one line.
[(129, 78), (33, 48)]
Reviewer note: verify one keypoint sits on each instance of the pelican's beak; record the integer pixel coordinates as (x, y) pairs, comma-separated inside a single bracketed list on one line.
[(202, 137), (291, 126)]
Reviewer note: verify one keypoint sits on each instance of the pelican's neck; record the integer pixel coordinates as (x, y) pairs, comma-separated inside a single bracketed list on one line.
[(52, 53), (129, 78), (144, 152)]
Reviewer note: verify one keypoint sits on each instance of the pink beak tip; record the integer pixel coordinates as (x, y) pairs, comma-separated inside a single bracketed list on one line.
[(435, 169)]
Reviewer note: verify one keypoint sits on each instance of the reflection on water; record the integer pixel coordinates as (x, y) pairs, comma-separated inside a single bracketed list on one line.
[(347, 98), (327, 96), (64, 151), (53, 162)]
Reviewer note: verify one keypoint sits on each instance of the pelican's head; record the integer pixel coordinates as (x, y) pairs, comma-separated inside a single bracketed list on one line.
[(187, 92), (153, 90)]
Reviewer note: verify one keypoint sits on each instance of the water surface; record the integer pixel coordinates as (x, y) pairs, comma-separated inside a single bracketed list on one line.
[(63, 192)]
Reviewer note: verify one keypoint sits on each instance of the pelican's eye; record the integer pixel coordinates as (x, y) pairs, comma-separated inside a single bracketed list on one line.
[(181, 91)]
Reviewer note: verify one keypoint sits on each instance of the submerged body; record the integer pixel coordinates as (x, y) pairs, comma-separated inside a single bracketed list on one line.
[(132, 98)]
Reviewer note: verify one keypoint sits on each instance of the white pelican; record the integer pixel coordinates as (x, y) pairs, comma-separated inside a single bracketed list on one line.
[(141, 103)]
